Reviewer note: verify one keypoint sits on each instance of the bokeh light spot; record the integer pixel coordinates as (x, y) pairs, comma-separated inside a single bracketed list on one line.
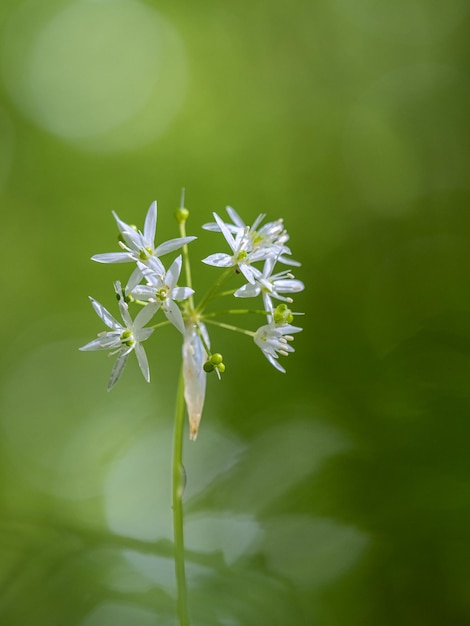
[(103, 75)]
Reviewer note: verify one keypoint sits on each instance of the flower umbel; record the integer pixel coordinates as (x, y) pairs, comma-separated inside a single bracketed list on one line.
[(140, 247), (122, 339)]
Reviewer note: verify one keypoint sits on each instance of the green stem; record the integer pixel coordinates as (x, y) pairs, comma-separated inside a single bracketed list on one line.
[(178, 483), (234, 312), (212, 292), (186, 262), (243, 331)]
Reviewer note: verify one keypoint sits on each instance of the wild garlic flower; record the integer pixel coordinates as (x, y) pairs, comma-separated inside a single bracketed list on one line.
[(161, 288), (271, 285), (272, 235), (244, 254), (273, 340), (122, 339), (194, 375), (140, 247)]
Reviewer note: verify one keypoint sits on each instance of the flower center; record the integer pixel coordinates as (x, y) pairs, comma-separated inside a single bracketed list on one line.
[(241, 256), (162, 293), (127, 339), (145, 253)]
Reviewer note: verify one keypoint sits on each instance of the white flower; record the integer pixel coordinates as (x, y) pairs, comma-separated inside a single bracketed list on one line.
[(123, 339), (271, 285), (243, 253), (161, 288), (272, 235), (194, 357), (273, 340), (140, 247)]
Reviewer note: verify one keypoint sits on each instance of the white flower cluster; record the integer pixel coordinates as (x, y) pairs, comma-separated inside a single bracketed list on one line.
[(255, 251), (266, 244), (160, 291)]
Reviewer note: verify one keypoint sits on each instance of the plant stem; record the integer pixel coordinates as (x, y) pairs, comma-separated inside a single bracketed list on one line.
[(243, 331), (234, 312), (178, 483), (213, 291)]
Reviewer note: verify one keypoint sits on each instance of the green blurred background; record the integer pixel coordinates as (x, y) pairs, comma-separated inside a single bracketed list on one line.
[(337, 494)]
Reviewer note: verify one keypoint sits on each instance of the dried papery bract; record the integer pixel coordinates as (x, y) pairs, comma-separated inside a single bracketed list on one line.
[(194, 357)]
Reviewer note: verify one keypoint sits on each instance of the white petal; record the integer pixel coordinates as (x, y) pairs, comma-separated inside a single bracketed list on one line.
[(152, 269), (150, 225), (129, 234), (275, 363), (112, 257), (289, 285), (96, 344), (143, 292), (145, 315), (236, 219), (249, 272), (117, 370), (287, 261), (181, 293), (257, 221), (105, 315), (134, 279), (142, 360), (126, 316), (219, 259), (248, 291), (173, 272), (173, 313), (225, 232), (173, 244)]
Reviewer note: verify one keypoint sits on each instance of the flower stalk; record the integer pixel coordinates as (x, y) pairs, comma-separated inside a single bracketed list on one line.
[(178, 485)]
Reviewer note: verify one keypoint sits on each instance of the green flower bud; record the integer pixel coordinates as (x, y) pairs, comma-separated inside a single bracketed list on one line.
[(283, 315), (216, 358), (221, 367), (181, 215)]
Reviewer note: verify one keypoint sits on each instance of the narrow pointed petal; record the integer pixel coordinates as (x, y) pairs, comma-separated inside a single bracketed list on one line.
[(257, 221), (174, 272), (146, 314), (225, 232), (96, 344), (117, 370), (173, 313), (112, 257), (142, 361), (126, 316), (134, 280), (236, 219), (289, 285), (150, 225), (275, 363), (219, 259), (288, 261), (173, 244), (248, 291), (181, 293), (248, 272), (105, 315)]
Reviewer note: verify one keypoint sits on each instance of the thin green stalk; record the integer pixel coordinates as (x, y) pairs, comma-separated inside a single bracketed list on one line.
[(234, 312), (178, 483), (243, 331), (212, 292)]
